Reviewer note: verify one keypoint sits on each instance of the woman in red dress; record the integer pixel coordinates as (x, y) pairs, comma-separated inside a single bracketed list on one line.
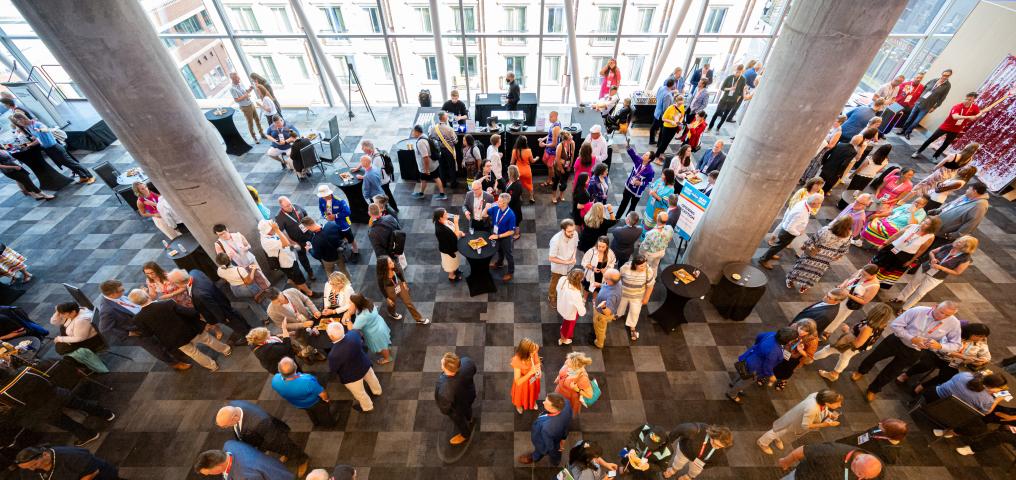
[(693, 134), (528, 371)]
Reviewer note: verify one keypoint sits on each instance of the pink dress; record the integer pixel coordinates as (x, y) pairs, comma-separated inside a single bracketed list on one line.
[(579, 169), (611, 79)]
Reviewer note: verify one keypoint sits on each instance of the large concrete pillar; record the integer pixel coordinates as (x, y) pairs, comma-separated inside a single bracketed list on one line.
[(111, 51), (823, 50)]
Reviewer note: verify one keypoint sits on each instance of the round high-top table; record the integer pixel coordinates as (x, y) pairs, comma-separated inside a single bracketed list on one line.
[(847, 197), (189, 256), (223, 122), (479, 279), (740, 289), (671, 312), (49, 177), (352, 187)]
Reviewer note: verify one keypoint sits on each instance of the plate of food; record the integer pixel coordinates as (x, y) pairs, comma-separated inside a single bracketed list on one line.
[(694, 180), (477, 243), (345, 176), (132, 172), (684, 276), (312, 136)]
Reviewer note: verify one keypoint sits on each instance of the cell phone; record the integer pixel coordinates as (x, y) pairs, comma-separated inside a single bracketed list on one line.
[(1002, 394), (612, 474)]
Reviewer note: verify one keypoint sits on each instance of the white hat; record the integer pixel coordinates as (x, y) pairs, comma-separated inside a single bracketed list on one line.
[(265, 227), (595, 129), (323, 190)]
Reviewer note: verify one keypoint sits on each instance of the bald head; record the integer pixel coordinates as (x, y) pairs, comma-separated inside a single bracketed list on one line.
[(335, 331), (612, 276), (866, 466), (227, 416), (365, 162), (287, 366), (319, 474)]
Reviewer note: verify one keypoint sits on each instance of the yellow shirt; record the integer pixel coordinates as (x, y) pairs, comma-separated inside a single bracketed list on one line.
[(672, 116)]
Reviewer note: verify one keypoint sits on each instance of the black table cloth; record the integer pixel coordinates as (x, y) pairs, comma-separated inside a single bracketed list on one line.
[(235, 144), (489, 102), (740, 289), (94, 138), (671, 312), (479, 279), (353, 190), (190, 256), (406, 159), (49, 177)]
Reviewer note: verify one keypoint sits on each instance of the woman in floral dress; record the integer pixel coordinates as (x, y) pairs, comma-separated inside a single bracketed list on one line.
[(822, 248)]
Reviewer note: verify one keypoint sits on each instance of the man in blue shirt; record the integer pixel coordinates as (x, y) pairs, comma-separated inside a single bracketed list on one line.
[(664, 97), (605, 305), (502, 229), (713, 159), (337, 210), (858, 118), (549, 430), (43, 137), (303, 391), (371, 180), (239, 461), (282, 141)]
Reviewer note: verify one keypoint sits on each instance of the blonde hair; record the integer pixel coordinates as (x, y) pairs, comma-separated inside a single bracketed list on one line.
[(257, 336), (966, 244), (513, 173), (340, 278), (578, 360), (594, 217)]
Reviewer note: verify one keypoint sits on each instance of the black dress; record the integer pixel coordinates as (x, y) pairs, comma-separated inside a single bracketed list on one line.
[(588, 235), (834, 162), (581, 197), (447, 242), (515, 190)]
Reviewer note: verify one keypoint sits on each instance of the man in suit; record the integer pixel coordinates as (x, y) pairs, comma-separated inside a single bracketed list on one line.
[(255, 427), (211, 303), (549, 431), (116, 324), (176, 327), (932, 96), (348, 360), (625, 236), (703, 73), (324, 247), (239, 461), (289, 218), (825, 311), (713, 159), (455, 394), (292, 313), (514, 93), (476, 205)]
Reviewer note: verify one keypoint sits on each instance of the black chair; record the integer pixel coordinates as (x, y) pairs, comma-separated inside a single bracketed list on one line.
[(108, 173), (948, 413)]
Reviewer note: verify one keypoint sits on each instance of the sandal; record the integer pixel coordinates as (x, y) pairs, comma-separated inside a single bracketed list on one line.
[(384, 362), (780, 385), (735, 398)]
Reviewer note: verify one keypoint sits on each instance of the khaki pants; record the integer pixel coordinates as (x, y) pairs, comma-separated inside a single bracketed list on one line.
[(191, 350), (600, 321), (552, 290), (360, 394), (251, 114)]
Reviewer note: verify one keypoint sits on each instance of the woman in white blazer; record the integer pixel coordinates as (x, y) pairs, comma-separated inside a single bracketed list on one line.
[(570, 303), (597, 260), (76, 329), (815, 412)]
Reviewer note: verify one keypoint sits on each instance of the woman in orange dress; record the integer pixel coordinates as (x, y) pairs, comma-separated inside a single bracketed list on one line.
[(573, 381), (528, 370), (522, 157)]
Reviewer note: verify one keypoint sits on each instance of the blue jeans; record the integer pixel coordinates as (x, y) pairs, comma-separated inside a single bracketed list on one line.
[(914, 119)]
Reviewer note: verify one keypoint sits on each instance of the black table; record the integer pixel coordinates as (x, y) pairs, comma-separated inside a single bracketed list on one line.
[(479, 279), (740, 289), (49, 177), (847, 197), (235, 144), (353, 189), (488, 102), (190, 256), (406, 159), (671, 313), (94, 138), (643, 113)]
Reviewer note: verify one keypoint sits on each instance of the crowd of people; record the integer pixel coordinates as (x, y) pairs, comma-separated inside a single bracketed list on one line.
[(604, 263)]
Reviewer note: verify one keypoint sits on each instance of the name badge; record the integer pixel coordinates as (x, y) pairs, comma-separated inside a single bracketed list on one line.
[(699, 463), (907, 100), (863, 438), (303, 228), (786, 355), (495, 230), (959, 122), (398, 289)]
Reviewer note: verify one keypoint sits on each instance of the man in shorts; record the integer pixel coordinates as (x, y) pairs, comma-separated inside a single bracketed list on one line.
[(426, 164)]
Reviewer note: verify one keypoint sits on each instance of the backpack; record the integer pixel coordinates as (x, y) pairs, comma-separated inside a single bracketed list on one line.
[(398, 242), (387, 165), (435, 149)]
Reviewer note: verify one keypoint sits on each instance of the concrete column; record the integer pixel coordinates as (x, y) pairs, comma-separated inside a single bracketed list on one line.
[(824, 49), (111, 51), (675, 27), (435, 26), (573, 58)]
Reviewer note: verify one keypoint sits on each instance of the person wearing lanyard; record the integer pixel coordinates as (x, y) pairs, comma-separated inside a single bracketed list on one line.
[(827, 460), (692, 454), (503, 227), (815, 412), (960, 117), (337, 210), (914, 331), (640, 177), (882, 440), (239, 461)]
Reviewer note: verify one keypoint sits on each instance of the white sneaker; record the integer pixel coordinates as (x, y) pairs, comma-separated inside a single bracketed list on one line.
[(396, 316), (915, 155), (965, 451), (567, 341), (425, 321), (228, 352), (943, 433)]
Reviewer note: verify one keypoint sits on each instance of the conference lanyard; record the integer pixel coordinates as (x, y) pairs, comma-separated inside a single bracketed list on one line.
[(498, 218), (229, 466), (846, 464), (964, 112), (932, 318), (702, 450)]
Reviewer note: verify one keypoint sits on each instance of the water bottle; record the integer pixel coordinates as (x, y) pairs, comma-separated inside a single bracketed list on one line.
[(165, 245), (183, 249), (470, 228)]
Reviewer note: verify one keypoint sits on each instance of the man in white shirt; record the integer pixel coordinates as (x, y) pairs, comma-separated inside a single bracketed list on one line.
[(889, 91), (562, 255), (792, 226), (599, 144), (377, 162), (913, 332)]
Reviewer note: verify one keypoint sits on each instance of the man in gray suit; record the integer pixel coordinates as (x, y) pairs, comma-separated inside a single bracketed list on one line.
[(961, 216), (476, 205)]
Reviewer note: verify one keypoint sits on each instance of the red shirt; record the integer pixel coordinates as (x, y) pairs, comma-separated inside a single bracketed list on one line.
[(958, 126), (909, 93), (695, 134)]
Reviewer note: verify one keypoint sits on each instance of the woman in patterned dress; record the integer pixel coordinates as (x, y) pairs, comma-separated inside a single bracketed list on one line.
[(885, 223), (528, 371), (822, 248), (338, 292), (159, 286), (658, 191), (11, 263)]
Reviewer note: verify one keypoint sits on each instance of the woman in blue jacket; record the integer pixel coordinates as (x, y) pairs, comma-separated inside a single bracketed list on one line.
[(759, 360)]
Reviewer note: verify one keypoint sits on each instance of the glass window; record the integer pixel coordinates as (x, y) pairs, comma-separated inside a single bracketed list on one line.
[(700, 61), (954, 17), (375, 19), (888, 62), (215, 77), (517, 64), (430, 62), (190, 25), (282, 21), (714, 20), (609, 18), (515, 19), (470, 15), (267, 66), (342, 72), (555, 19), (192, 81), (470, 61), (423, 13), (924, 56), (552, 70), (243, 19), (593, 80), (386, 66), (917, 16), (646, 19), (333, 15), (300, 66), (635, 64)]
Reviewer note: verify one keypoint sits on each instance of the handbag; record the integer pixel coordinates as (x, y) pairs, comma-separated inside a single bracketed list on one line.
[(845, 342), (588, 402)]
